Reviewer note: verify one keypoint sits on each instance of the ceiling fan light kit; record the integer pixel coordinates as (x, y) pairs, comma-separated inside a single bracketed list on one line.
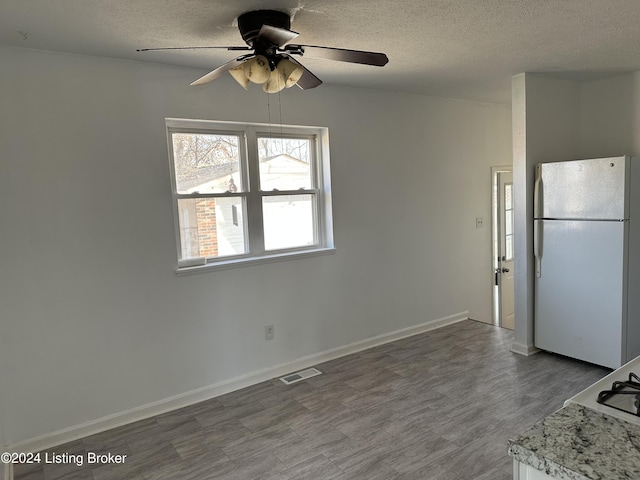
[(290, 72), (267, 33), (257, 69), (273, 79), (275, 83), (239, 76)]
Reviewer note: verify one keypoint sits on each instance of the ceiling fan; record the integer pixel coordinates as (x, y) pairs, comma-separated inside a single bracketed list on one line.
[(267, 34)]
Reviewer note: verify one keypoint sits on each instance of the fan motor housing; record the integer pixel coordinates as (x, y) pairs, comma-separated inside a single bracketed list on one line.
[(250, 23)]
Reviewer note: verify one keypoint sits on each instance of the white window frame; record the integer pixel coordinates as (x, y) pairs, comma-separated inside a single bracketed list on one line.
[(254, 231)]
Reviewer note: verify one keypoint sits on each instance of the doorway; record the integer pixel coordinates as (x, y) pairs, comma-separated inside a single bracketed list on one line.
[(503, 251)]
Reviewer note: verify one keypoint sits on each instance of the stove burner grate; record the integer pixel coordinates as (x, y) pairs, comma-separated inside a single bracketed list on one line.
[(623, 396)]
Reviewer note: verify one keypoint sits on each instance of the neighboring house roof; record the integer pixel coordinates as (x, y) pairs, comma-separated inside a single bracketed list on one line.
[(216, 178), (207, 173)]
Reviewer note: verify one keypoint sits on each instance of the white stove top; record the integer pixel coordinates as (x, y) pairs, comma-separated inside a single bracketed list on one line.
[(588, 397)]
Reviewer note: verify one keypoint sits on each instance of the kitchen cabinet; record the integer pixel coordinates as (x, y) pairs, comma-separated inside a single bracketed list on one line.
[(522, 471)]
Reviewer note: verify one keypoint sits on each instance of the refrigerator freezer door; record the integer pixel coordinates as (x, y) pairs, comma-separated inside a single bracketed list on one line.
[(583, 189), (580, 293)]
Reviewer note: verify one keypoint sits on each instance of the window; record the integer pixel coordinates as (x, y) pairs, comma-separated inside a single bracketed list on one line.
[(248, 192)]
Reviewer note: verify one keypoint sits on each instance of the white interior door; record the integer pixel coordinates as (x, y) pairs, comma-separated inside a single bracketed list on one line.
[(504, 269)]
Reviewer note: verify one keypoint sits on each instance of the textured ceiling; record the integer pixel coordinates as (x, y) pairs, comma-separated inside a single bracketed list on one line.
[(451, 48)]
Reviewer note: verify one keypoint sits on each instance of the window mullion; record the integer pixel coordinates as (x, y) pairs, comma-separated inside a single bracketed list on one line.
[(306, 191), (318, 181), (254, 198)]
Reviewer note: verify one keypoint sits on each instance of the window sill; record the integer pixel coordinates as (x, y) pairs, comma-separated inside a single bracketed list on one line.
[(245, 262)]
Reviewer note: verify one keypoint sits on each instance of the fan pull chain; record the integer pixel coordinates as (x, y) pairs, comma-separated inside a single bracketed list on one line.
[(269, 114), (271, 125), (280, 107)]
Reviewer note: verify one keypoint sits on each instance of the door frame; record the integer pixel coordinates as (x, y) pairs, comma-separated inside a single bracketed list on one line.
[(495, 239)]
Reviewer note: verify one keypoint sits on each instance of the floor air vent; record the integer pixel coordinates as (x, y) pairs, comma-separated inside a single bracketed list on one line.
[(299, 376)]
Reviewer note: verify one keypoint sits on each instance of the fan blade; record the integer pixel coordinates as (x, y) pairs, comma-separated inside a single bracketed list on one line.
[(276, 35), (339, 54), (189, 48), (218, 72), (307, 80)]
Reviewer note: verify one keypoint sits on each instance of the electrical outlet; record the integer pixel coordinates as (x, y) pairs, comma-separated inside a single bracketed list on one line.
[(479, 222), (269, 332)]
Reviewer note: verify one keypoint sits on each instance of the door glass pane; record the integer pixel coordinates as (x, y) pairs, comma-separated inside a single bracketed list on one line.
[(288, 221), (508, 202), (207, 163), (211, 227), (285, 163), (509, 247), (508, 221)]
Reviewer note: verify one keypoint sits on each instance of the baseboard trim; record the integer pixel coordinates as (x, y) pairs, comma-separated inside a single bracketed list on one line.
[(206, 393), (7, 472), (522, 349)]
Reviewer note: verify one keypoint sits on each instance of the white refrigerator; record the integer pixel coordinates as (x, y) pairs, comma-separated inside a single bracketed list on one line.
[(587, 259)]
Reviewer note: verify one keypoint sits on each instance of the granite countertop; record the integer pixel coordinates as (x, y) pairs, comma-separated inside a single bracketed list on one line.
[(577, 443)]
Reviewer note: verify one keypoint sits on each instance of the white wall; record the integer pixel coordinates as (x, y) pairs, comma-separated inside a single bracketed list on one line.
[(94, 319), (610, 116), (546, 128)]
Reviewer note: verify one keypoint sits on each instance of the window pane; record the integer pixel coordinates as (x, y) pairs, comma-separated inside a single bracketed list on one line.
[(509, 247), (285, 163), (211, 227), (206, 163), (508, 217), (288, 221), (508, 201)]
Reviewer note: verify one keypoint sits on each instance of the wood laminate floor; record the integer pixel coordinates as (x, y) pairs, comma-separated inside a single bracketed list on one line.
[(439, 405)]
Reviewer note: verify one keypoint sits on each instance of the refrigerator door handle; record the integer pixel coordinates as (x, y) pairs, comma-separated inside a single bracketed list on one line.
[(537, 198), (537, 223), (537, 246)]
